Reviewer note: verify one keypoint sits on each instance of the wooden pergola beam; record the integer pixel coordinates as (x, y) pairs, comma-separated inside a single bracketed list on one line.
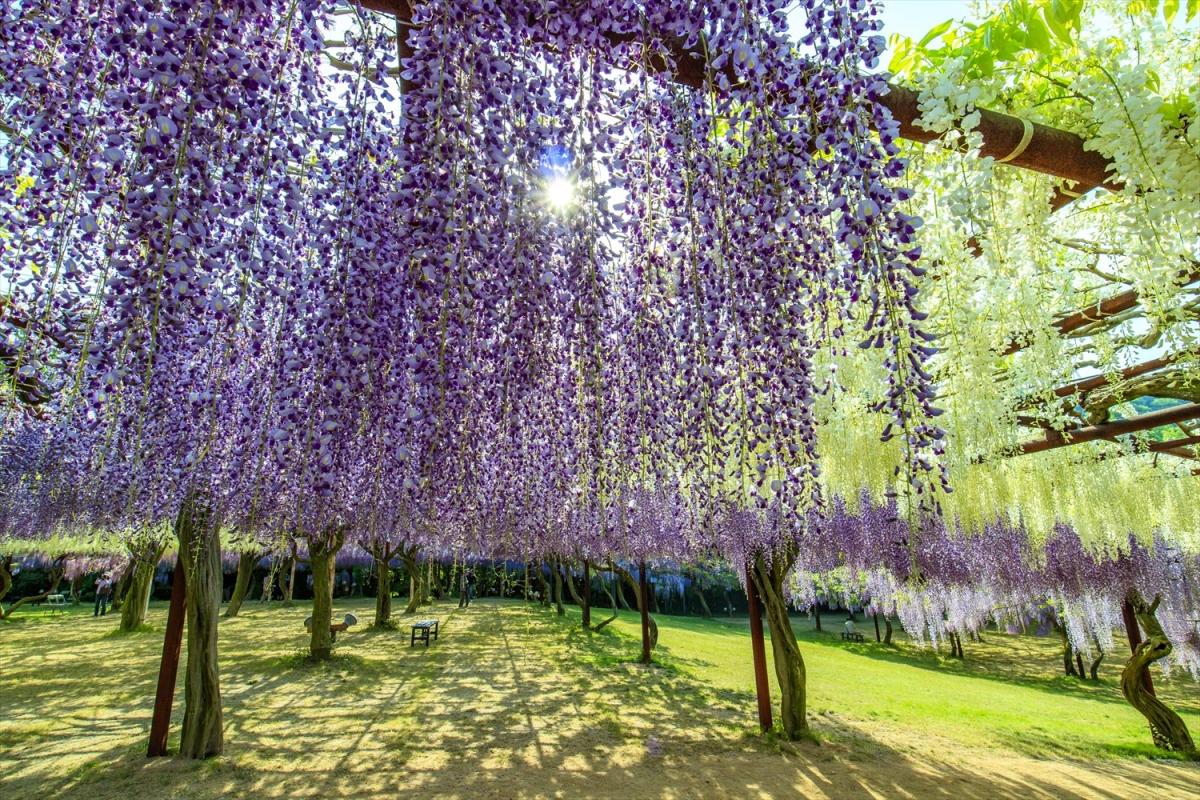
[(1098, 312), (1110, 430), (1048, 150)]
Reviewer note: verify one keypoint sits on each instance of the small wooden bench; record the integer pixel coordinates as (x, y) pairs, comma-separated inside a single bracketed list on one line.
[(852, 637), (57, 602), (422, 629)]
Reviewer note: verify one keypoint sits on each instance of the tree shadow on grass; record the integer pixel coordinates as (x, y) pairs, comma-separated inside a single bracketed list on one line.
[(510, 702)]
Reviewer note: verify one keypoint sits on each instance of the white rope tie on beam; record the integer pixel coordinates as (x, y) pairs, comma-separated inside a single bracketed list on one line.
[(1026, 138)]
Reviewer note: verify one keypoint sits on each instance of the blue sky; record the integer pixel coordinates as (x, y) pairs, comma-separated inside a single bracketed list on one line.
[(915, 17)]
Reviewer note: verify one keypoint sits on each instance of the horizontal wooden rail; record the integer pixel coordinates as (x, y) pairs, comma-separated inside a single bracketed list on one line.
[(1109, 430)]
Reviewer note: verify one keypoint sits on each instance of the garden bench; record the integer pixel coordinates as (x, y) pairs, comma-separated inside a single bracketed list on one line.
[(852, 637), (422, 629), (336, 627), (57, 602)]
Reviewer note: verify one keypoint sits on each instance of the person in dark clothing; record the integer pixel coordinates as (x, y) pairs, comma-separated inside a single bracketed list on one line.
[(470, 585), (103, 595)]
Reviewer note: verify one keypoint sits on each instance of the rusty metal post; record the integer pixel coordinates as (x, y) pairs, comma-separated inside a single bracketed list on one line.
[(759, 649), (169, 666)]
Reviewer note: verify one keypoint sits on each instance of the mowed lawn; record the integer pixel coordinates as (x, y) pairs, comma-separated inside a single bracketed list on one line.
[(516, 702)]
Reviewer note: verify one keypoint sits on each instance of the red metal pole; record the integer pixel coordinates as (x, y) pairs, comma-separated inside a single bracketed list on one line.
[(759, 649), (644, 607), (169, 667), (1135, 638)]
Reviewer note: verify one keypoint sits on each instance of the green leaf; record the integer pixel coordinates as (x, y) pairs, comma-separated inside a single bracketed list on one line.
[(1036, 35), (1065, 12), (1193, 8), (934, 32), (1170, 9)]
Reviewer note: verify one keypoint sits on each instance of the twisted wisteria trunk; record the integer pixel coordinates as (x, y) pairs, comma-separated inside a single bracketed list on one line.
[(241, 586), (137, 595), (1166, 727), (556, 568), (322, 555), (383, 591), (200, 552), (632, 583), (409, 556), (6, 580), (122, 587), (789, 663)]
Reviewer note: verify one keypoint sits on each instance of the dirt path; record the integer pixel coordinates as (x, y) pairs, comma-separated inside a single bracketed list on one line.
[(498, 709)]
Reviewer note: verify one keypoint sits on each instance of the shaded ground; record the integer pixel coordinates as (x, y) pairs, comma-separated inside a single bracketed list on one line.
[(515, 703)]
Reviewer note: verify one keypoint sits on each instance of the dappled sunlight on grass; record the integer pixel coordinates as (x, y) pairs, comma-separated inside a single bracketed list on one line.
[(513, 701)]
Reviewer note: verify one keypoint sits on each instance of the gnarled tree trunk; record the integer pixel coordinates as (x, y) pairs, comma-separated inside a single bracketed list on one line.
[(383, 588), (556, 568), (122, 587), (632, 583), (789, 664), (6, 580), (322, 555), (241, 586), (200, 551), (137, 596), (409, 556), (1166, 727)]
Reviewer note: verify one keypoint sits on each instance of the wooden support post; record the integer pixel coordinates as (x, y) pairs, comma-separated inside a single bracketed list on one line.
[(1135, 638), (587, 594), (759, 650), (644, 607), (169, 666)]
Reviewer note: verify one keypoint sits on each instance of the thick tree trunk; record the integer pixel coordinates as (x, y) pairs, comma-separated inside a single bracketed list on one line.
[(322, 555), (632, 583), (817, 614), (137, 597), (5, 581), (241, 587), (612, 602), (789, 664), (1095, 668), (875, 617), (587, 595), (1166, 727), (1068, 665), (76, 582), (541, 573), (290, 569), (200, 551), (383, 593), (409, 557), (556, 567), (122, 587), (887, 630)]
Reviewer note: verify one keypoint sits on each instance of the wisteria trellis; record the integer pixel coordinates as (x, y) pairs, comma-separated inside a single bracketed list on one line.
[(324, 305)]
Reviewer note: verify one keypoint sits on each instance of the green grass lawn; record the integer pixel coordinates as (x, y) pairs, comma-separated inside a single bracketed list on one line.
[(514, 701), (1008, 693)]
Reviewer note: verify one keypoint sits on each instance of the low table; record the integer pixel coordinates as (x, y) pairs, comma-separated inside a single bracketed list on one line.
[(421, 630), (852, 637)]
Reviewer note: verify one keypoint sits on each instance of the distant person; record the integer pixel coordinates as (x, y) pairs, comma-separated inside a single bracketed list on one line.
[(103, 595), (470, 585), (849, 628)]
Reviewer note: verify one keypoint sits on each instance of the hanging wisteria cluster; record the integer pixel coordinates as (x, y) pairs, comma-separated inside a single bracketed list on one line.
[(319, 305), (857, 556)]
